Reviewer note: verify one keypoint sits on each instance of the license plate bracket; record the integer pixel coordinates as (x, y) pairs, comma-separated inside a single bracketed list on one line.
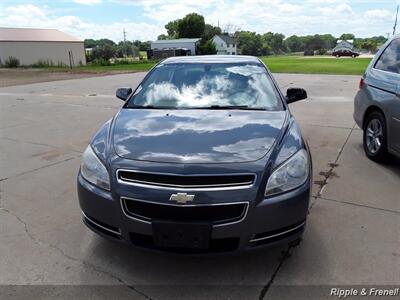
[(181, 235)]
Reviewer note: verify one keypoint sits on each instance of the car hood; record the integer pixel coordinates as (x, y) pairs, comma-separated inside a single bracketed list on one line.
[(195, 136)]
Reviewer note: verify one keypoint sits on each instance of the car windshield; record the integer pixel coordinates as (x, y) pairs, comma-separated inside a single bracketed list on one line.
[(207, 85)]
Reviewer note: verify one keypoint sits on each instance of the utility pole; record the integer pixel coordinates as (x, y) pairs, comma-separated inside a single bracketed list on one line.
[(124, 32), (395, 21)]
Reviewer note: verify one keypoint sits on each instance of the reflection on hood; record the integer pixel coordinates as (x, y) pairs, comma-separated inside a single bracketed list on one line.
[(196, 136)]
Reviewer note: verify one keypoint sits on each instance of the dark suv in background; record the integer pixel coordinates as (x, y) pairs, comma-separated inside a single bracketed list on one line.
[(347, 52), (377, 103)]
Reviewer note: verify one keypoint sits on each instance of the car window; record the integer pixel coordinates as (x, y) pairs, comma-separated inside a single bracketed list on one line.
[(390, 59), (202, 85)]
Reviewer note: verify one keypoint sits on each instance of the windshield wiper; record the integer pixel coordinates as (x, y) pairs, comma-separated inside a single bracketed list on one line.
[(151, 107), (244, 107)]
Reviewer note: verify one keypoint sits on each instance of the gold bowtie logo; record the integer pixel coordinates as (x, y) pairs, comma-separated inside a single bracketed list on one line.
[(181, 198)]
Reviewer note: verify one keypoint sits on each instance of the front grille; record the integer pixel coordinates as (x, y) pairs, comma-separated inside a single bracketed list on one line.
[(185, 181), (216, 245), (216, 214)]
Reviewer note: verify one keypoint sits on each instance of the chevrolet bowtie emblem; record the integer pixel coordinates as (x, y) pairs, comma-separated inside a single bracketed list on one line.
[(181, 198)]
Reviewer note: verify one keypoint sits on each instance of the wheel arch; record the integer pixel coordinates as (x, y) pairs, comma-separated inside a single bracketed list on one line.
[(369, 111)]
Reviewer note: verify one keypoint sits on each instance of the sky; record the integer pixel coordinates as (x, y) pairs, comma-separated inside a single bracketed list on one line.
[(145, 19)]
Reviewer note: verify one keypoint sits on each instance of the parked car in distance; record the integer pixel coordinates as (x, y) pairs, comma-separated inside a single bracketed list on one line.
[(345, 52), (204, 156), (377, 103)]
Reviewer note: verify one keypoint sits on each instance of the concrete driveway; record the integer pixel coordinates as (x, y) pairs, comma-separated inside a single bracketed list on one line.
[(352, 237)]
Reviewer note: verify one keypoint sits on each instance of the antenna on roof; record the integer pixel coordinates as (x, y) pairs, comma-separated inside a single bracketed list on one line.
[(395, 21)]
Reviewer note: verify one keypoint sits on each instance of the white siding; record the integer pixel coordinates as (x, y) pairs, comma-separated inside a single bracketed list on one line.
[(189, 45), (222, 47), (31, 52)]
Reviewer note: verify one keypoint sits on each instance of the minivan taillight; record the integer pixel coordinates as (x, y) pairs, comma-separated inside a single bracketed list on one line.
[(361, 85)]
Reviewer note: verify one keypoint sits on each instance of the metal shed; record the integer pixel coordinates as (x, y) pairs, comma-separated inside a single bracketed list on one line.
[(31, 46), (190, 44)]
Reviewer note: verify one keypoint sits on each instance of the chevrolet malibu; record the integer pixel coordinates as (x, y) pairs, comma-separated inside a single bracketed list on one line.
[(204, 156)]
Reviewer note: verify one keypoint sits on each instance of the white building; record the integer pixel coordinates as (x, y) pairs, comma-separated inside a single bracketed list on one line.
[(225, 44), (344, 45), (190, 44), (30, 46)]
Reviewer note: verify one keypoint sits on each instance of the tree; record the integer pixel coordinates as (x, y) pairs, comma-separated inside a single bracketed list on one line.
[(172, 28), (105, 52), (89, 43), (249, 43), (370, 45), (313, 43), (162, 37), (142, 46), (294, 44), (207, 47), (191, 26), (124, 49), (347, 36), (210, 31), (274, 41), (102, 42), (329, 41)]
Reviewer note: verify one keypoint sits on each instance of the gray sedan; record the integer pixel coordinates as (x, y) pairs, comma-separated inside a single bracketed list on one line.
[(204, 156), (377, 103)]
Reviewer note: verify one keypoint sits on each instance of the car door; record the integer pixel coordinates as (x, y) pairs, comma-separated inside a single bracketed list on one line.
[(395, 121), (385, 83)]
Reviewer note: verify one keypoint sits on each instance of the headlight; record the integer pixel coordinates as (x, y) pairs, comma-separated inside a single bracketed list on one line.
[(93, 170), (291, 174)]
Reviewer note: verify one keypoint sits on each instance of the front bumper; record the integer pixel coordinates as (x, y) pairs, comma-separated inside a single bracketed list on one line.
[(272, 221)]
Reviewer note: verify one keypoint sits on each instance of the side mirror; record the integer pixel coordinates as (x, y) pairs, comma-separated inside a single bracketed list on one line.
[(295, 94), (123, 93)]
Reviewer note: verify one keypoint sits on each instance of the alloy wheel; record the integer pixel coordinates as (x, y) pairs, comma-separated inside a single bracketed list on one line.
[(374, 136)]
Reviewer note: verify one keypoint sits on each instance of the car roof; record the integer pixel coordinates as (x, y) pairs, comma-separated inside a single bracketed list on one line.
[(212, 59)]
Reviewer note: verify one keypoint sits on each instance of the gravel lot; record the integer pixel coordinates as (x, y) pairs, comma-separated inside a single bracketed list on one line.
[(21, 76), (352, 236)]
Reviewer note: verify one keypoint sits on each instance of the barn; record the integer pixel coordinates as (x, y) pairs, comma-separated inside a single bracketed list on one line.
[(31, 46)]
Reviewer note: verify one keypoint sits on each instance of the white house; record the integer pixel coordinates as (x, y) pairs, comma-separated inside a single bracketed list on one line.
[(344, 45), (190, 44), (31, 45), (225, 44)]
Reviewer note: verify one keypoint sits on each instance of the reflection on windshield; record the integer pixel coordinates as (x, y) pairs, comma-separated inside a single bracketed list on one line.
[(188, 85)]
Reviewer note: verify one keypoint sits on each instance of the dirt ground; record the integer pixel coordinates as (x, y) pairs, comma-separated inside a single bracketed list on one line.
[(12, 77)]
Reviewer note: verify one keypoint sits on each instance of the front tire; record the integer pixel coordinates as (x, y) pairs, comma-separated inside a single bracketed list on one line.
[(375, 137)]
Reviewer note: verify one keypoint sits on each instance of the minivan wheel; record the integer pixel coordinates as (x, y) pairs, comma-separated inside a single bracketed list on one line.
[(375, 145)]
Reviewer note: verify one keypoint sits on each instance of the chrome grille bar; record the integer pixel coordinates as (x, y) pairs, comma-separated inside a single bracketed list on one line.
[(185, 182)]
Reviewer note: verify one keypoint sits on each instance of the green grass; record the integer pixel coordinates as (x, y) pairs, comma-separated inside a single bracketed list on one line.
[(316, 64), (142, 66), (133, 67), (277, 64)]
